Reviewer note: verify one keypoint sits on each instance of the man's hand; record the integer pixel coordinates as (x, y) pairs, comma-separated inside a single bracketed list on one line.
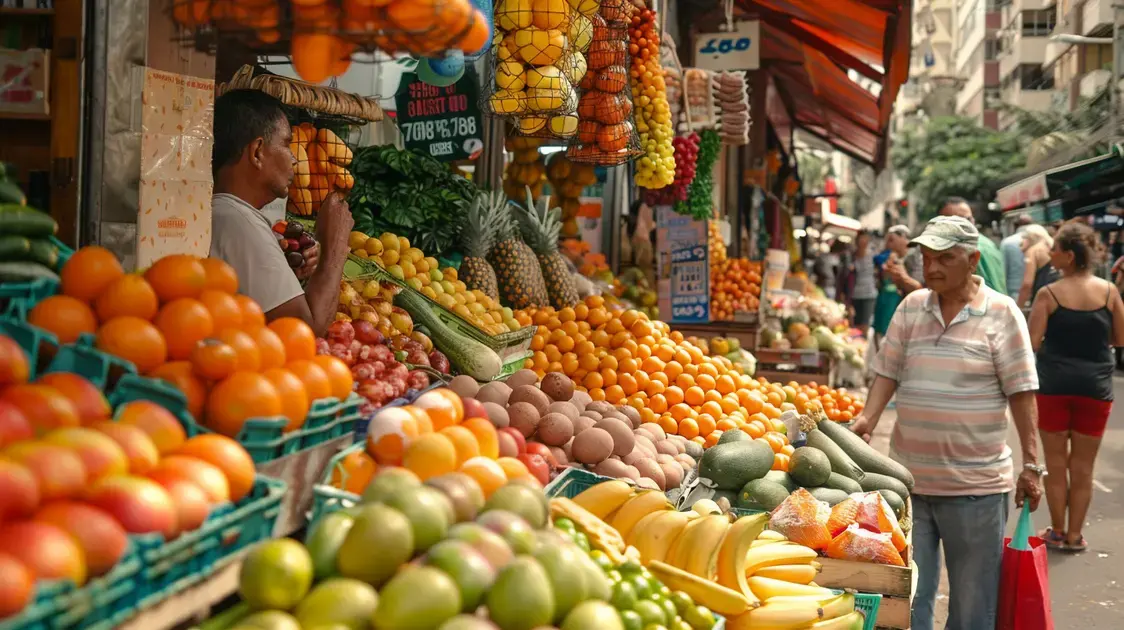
[(1029, 486), (894, 270), (863, 426), (334, 223), (311, 260)]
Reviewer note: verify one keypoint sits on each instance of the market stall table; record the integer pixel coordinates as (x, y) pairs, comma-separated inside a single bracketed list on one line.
[(801, 366), (745, 332)]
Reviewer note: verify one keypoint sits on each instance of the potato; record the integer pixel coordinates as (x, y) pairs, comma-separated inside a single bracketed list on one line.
[(643, 430), (588, 413), (592, 446), (687, 462), (559, 455), (465, 386), (522, 377), (600, 406), (637, 454), (555, 429), (565, 408), (612, 468), (583, 423), (656, 430), (672, 474), (497, 414), (580, 400), (648, 445), (651, 469), (623, 440), (495, 392), (632, 473), (568, 450), (679, 442), (530, 394), (648, 484), (558, 386), (524, 418), (632, 413), (666, 447)]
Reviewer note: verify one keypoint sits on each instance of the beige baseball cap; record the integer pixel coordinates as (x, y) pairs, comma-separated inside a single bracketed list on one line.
[(943, 233)]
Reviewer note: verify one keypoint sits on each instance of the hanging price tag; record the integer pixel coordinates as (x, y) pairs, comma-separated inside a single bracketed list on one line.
[(739, 49), (443, 122)]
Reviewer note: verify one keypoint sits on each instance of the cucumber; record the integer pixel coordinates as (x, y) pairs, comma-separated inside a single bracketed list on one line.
[(830, 496), (44, 252), (895, 501), (24, 271), (863, 454), (11, 193), (14, 247), (841, 463), (26, 221), (761, 494), (840, 482), (781, 477), (470, 356), (875, 481)]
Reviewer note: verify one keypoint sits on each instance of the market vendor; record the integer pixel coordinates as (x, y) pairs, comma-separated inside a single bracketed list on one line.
[(253, 166)]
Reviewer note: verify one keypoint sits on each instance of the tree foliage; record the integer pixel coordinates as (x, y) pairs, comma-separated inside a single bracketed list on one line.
[(954, 156), (813, 169)]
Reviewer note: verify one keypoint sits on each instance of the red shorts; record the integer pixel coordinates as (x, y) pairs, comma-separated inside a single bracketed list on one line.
[(1080, 414)]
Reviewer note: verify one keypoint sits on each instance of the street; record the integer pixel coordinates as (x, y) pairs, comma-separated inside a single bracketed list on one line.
[(1085, 588)]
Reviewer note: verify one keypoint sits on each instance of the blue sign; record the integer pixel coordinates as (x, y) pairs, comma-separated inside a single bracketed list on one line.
[(690, 270)]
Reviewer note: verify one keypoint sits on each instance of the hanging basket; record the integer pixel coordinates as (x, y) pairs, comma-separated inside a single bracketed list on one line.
[(317, 99)]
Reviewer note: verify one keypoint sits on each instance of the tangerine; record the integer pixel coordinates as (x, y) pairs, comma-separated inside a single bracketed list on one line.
[(249, 357), (65, 316), (239, 397), (294, 397), (128, 295), (163, 428), (388, 432), (464, 441), (339, 375), (443, 406), (228, 456), (486, 472), (219, 275), (177, 276), (223, 307), (296, 336), (314, 377), (354, 472), (486, 437), (213, 360), (270, 347), (135, 340), (430, 455), (513, 468), (184, 323), (252, 315), (89, 272)]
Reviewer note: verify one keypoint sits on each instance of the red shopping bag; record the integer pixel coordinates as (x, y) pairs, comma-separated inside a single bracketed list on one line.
[(1024, 585)]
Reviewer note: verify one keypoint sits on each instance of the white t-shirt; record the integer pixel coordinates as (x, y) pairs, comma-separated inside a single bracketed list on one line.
[(243, 237)]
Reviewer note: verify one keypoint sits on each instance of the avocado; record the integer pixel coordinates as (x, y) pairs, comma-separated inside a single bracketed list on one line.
[(730, 466), (840, 482), (734, 435), (895, 501), (830, 496), (761, 494), (809, 467), (874, 481), (781, 477)]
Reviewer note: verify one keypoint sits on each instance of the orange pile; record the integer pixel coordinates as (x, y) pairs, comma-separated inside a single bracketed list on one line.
[(735, 285), (182, 321)]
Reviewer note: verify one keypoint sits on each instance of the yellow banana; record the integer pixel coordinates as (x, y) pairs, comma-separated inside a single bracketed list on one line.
[(770, 534), (773, 555), (787, 613), (601, 535), (718, 598), (795, 573), (706, 506), (761, 543), (640, 505), (767, 588), (732, 556), (850, 621), (698, 546), (602, 499), (655, 533)]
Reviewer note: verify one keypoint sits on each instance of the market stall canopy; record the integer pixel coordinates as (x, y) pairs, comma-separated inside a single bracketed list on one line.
[(1078, 186), (808, 47)]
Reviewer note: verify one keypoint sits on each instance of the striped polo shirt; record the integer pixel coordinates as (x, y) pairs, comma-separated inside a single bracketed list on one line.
[(953, 384)]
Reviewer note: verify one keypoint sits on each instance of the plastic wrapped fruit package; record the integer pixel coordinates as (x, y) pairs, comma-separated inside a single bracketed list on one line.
[(606, 134), (842, 516), (874, 514), (700, 97), (803, 520), (862, 545), (321, 168)]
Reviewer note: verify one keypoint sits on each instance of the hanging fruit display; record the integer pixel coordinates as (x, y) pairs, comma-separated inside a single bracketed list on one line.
[(700, 97), (733, 101), (686, 150), (656, 168), (526, 170), (700, 194), (322, 161), (567, 179)]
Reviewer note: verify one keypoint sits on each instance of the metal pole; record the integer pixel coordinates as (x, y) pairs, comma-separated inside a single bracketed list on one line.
[(1117, 68)]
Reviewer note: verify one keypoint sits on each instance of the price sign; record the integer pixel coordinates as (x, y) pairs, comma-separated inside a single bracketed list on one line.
[(689, 267), (739, 49), (443, 122)]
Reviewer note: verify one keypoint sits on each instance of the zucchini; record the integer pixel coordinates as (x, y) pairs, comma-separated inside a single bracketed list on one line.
[(863, 454), (14, 247), (470, 356), (24, 271), (44, 252), (841, 482), (11, 193), (873, 482), (830, 496), (26, 221), (894, 500), (841, 463)]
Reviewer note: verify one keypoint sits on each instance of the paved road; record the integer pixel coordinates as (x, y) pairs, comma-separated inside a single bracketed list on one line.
[(1087, 589)]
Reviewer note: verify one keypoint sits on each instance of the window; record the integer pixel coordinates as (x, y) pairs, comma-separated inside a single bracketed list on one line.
[(1035, 77), (1039, 23), (993, 96), (993, 48)]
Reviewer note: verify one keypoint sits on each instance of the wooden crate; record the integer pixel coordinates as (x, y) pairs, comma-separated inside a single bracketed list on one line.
[(802, 366), (745, 332)]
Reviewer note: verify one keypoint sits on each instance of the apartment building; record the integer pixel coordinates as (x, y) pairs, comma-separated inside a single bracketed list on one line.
[(1025, 80), (932, 83), (1080, 70)]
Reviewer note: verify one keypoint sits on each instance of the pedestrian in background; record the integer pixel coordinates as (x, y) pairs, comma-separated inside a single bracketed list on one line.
[(1013, 263), (1074, 324), (1038, 272), (957, 355), (865, 289), (990, 267)]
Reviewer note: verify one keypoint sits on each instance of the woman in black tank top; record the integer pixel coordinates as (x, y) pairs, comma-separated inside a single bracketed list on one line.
[(1074, 324)]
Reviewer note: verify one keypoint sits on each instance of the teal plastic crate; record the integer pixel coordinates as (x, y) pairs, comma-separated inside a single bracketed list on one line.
[(327, 498), (84, 359), (572, 482), (18, 298), (868, 604)]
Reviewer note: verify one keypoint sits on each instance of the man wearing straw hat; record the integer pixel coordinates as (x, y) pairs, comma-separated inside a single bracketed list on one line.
[(957, 355)]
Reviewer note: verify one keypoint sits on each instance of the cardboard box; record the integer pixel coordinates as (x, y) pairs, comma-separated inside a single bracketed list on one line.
[(29, 73)]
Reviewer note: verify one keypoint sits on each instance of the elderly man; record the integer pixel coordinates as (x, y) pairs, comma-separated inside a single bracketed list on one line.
[(1013, 259), (991, 261), (958, 354)]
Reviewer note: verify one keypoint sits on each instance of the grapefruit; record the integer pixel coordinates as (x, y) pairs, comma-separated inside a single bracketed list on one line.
[(46, 550), (276, 575), (521, 596), (141, 505), (389, 481), (511, 527), (268, 620), (102, 539), (17, 583), (429, 512), (462, 492), (99, 453), (490, 544), (19, 491), (593, 614)]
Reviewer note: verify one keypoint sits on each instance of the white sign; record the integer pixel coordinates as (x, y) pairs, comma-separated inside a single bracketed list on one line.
[(739, 49), (1021, 193)]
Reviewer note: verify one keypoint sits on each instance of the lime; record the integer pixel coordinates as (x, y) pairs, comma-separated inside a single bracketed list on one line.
[(602, 559), (679, 624), (668, 608), (631, 620), (682, 601), (700, 618), (614, 575), (662, 589), (582, 541), (643, 586), (629, 567), (650, 612), (655, 626), (624, 596)]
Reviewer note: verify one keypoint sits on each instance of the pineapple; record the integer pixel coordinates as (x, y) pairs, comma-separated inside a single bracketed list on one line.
[(487, 216), (517, 270), (540, 224)]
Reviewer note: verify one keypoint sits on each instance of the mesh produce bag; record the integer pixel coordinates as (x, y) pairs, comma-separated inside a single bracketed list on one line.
[(606, 132), (862, 545), (875, 514), (321, 168), (842, 516), (803, 520)]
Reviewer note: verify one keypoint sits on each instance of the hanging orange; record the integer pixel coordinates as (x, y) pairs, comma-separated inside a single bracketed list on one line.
[(88, 272), (476, 37), (67, 317), (294, 397), (184, 323), (213, 360), (128, 295), (180, 374), (297, 336), (252, 315), (223, 307), (236, 399), (315, 380), (135, 340), (177, 276), (270, 346), (249, 357), (312, 56)]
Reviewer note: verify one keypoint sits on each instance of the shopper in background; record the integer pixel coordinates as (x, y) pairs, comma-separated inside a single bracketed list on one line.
[(905, 268), (957, 355), (1011, 248), (991, 261), (1074, 324), (826, 269), (865, 289), (891, 276), (1039, 272)]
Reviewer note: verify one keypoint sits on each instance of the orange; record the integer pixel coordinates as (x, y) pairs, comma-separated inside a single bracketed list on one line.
[(513, 468), (223, 308), (464, 441), (485, 433), (486, 472), (354, 472), (249, 357), (389, 431), (89, 272), (694, 396), (674, 395), (176, 276), (65, 316), (219, 275), (685, 381), (270, 348), (658, 403), (296, 336), (707, 424), (161, 426), (314, 378), (292, 394), (477, 35), (430, 455), (213, 360), (180, 374), (443, 406), (614, 394), (127, 295), (228, 456), (788, 449), (681, 411), (669, 424), (711, 439), (184, 323), (312, 55), (252, 315), (135, 340), (239, 397), (688, 428), (597, 394), (776, 441), (339, 375)]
